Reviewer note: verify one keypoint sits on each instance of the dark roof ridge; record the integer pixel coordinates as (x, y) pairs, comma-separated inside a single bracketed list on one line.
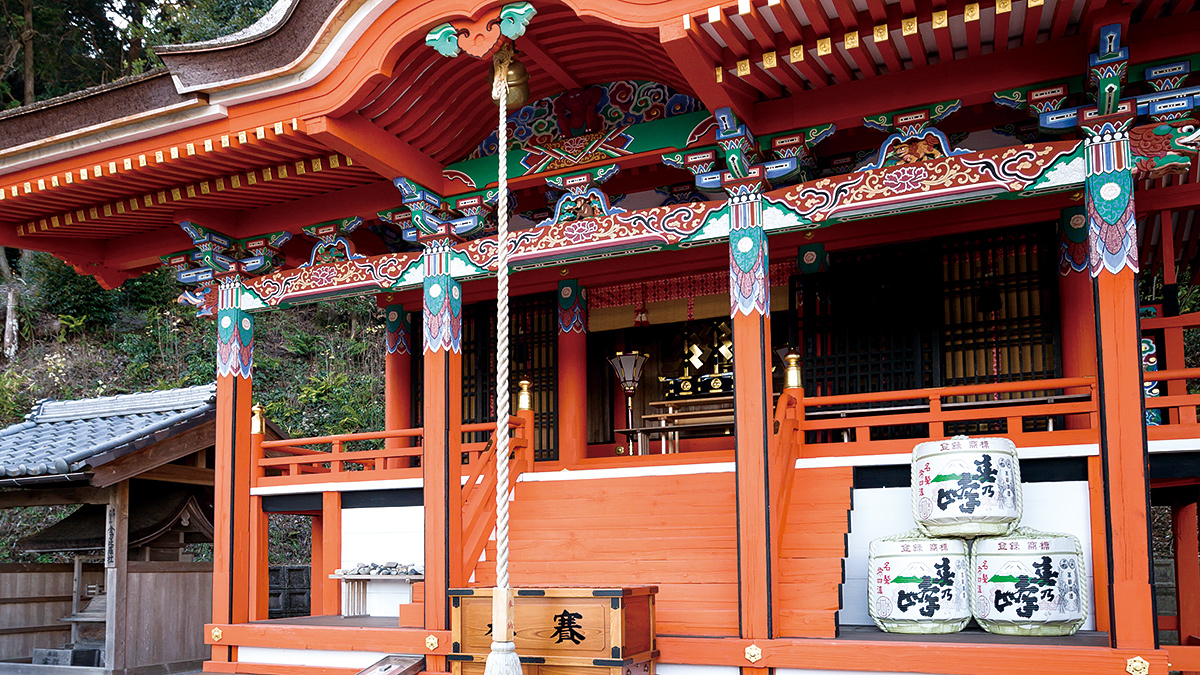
[(85, 93)]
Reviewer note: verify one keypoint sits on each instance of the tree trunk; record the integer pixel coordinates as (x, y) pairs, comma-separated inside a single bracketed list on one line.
[(27, 45), (10, 325), (135, 38)]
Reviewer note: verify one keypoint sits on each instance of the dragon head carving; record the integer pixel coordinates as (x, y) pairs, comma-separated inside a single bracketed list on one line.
[(1164, 148)]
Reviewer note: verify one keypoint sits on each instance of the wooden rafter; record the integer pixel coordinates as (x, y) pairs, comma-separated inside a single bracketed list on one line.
[(547, 63), (1033, 20)]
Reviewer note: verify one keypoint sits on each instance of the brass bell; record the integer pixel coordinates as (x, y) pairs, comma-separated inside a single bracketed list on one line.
[(518, 84)]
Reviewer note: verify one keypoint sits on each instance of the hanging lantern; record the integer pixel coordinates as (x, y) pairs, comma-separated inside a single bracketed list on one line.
[(518, 84)]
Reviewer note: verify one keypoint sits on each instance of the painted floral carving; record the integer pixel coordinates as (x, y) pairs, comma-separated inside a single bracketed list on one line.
[(905, 178)]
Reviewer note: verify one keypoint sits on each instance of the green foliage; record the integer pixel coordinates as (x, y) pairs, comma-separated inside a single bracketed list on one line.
[(75, 43), (57, 289), (198, 20), (15, 399)]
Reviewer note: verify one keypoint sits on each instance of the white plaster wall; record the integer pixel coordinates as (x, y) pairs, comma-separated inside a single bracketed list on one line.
[(879, 512), (308, 657), (381, 535)]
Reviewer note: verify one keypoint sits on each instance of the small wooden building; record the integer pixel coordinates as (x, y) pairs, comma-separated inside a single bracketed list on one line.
[(134, 601)]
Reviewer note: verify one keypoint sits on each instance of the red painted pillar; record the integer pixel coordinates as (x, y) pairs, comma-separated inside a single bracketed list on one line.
[(572, 373), (1112, 245), (234, 461), (749, 300), (331, 553), (1187, 568), (397, 393), (1077, 319), (442, 463)]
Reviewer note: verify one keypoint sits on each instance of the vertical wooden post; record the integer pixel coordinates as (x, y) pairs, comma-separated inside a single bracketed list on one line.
[(442, 460), (316, 564), (572, 373), (234, 459), (259, 545), (116, 569), (750, 311), (1112, 246), (397, 393), (331, 552), (1077, 319), (1187, 567)]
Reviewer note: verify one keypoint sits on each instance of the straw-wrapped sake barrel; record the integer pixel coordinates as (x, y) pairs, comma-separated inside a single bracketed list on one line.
[(919, 585), (1029, 583), (966, 487)]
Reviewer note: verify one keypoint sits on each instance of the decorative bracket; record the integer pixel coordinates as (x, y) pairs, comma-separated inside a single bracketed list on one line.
[(913, 138), (333, 243), (481, 38), (218, 256), (582, 198)]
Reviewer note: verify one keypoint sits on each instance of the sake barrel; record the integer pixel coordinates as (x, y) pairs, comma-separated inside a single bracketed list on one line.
[(966, 487), (917, 584), (1029, 583)]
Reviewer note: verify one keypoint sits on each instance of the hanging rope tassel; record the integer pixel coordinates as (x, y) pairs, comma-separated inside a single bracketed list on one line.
[(503, 660)]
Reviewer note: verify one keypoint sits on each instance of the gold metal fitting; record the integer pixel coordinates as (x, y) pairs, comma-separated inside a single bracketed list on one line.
[(216, 634), (431, 642), (753, 653), (258, 424), (524, 396), (792, 380), (1137, 666)]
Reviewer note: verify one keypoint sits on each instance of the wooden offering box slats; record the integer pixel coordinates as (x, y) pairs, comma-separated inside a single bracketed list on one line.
[(608, 629), (477, 666)]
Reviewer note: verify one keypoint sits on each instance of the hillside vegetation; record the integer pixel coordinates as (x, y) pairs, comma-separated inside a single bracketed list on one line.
[(318, 369)]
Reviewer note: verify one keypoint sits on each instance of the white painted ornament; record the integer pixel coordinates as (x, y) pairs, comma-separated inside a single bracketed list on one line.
[(1029, 583), (919, 584), (966, 487)]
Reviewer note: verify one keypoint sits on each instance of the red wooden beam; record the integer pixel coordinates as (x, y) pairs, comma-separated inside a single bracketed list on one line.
[(974, 80), (910, 28), (816, 76), (857, 49), (1033, 19), (700, 73), (754, 20), (788, 22), (971, 22), (735, 41), (940, 21), (1000, 25), (816, 17), (357, 138), (548, 63), (887, 48)]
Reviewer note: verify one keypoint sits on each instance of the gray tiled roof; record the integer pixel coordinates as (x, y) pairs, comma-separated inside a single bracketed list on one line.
[(58, 437)]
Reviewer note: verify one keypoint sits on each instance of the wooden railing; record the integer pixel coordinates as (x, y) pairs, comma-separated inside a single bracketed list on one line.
[(479, 490), (293, 462), (1179, 419), (849, 419), (786, 441)]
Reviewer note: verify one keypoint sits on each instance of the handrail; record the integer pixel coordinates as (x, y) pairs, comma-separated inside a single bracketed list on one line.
[(947, 392), (1176, 374), (479, 490), (347, 438)]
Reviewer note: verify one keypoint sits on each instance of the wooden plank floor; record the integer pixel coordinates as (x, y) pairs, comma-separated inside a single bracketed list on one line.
[(1084, 638), (336, 621)]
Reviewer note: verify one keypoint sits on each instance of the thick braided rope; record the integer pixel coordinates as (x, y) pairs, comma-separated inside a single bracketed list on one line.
[(503, 403)]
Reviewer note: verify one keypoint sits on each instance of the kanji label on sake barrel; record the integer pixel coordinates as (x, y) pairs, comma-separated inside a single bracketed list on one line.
[(561, 626), (1029, 583), (966, 487), (919, 585)]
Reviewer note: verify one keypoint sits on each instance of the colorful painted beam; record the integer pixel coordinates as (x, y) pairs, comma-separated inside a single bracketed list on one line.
[(1005, 173)]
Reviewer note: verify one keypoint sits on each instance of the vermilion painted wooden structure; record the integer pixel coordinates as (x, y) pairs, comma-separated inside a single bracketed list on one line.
[(674, 154)]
